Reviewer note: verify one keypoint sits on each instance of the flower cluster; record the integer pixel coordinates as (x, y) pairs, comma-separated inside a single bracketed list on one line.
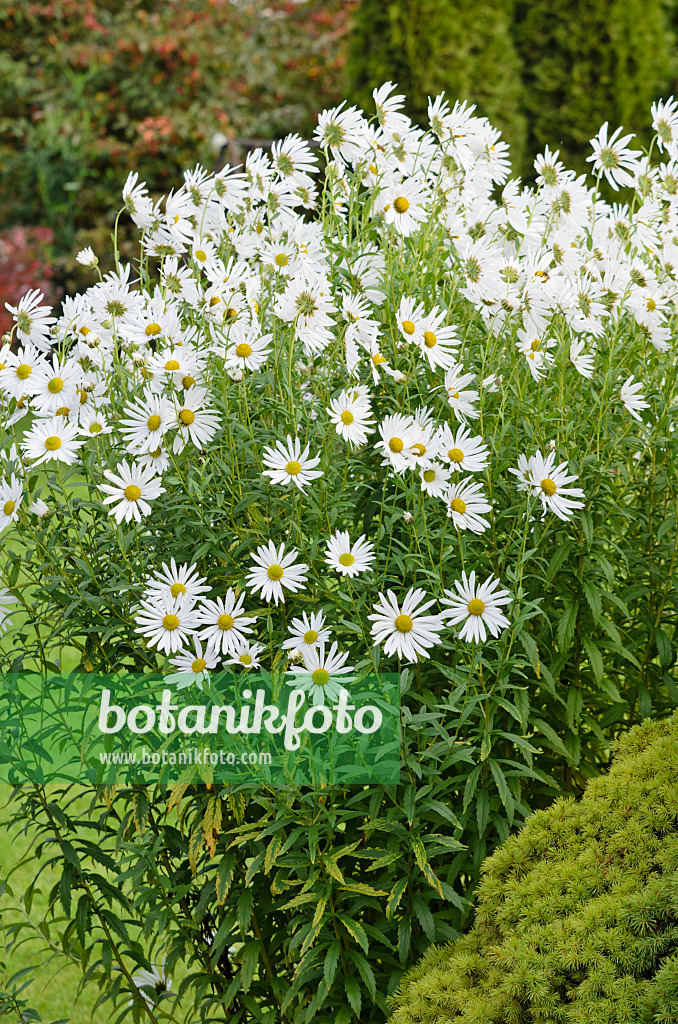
[(315, 375)]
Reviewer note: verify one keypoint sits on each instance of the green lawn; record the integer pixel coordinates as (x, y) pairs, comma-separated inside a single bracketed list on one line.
[(53, 992)]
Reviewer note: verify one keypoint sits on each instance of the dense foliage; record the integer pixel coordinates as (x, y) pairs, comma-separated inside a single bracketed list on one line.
[(89, 88), (546, 72), (476, 395), (577, 915)]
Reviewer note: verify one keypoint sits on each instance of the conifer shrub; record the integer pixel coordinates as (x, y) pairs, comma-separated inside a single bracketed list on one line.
[(577, 914), (584, 63), (461, 47)]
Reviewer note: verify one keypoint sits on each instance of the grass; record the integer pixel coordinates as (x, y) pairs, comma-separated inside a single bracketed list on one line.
[(53, 991)]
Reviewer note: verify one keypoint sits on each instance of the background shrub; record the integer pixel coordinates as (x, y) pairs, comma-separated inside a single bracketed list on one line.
[(462, 48), (577, 914)]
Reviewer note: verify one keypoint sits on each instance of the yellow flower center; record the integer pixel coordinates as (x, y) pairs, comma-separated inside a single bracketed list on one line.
[(535, 345), (246, 659), (275, 572), (347, 417), (243, 350), (9, 507), (293, 468), (155, 454), (132, 492), (176, 589), (651, 305), (230, 312), (23, 371), (320, 677), (429, 476), (214, 301), (457, 505), (282, 260), (200, 254), (187, 382), (401, 204), (55, 385), (454, 394), (347, 558), (170, 622), (310, 636), (476, 606), (225, 621), (153, 422), (403, 623), (548, 487), (152, 330), (95, 428), (430, 339), (52, 443), (172, 364), (395, 444), (186, 417), (62, 411), (419, 448), (83, 396), (456, 455), (198, 665), (408, 327), (378, 358)]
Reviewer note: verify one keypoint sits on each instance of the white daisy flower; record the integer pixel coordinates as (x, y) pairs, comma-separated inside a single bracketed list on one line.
[(224, 623), (6, 598), (403, 205), (157, 460), (288, 464), (56, 386), (192, 667), (247, 348), (11, 496), (196, 421), (40, 508), (274, 570), (168, 623), (154, 979), (435, 480), (52, 440), (324, 674), (523, 473), (246, 654), (580, 359), (145, 422), (411, 319), (632, 401), (461, 400), (349, 559), (406, 631), (437, 340), (33, 321), (93, 422), (307, 632), (612, 157), (399, 434), (352, 417), (466, 504), (550, 483), (20, 370), (177, 581), (132, 487), (478, 607), (463, 451), (87, 258)]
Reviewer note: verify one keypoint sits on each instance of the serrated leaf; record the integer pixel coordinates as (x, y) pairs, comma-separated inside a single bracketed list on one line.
[(395, 896), (195, 845), (331, 961), (356, 930), (211, 823)]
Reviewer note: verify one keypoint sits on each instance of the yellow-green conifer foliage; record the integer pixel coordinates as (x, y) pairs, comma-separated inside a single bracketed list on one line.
[(577, 918)]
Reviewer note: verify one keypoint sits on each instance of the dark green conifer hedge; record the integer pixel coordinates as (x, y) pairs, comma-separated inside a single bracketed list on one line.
[(577, 917), (461, 47), (544, 71)]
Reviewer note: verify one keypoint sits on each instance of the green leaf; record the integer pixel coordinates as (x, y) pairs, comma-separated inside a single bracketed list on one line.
[(352, 989), (331, 961)]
